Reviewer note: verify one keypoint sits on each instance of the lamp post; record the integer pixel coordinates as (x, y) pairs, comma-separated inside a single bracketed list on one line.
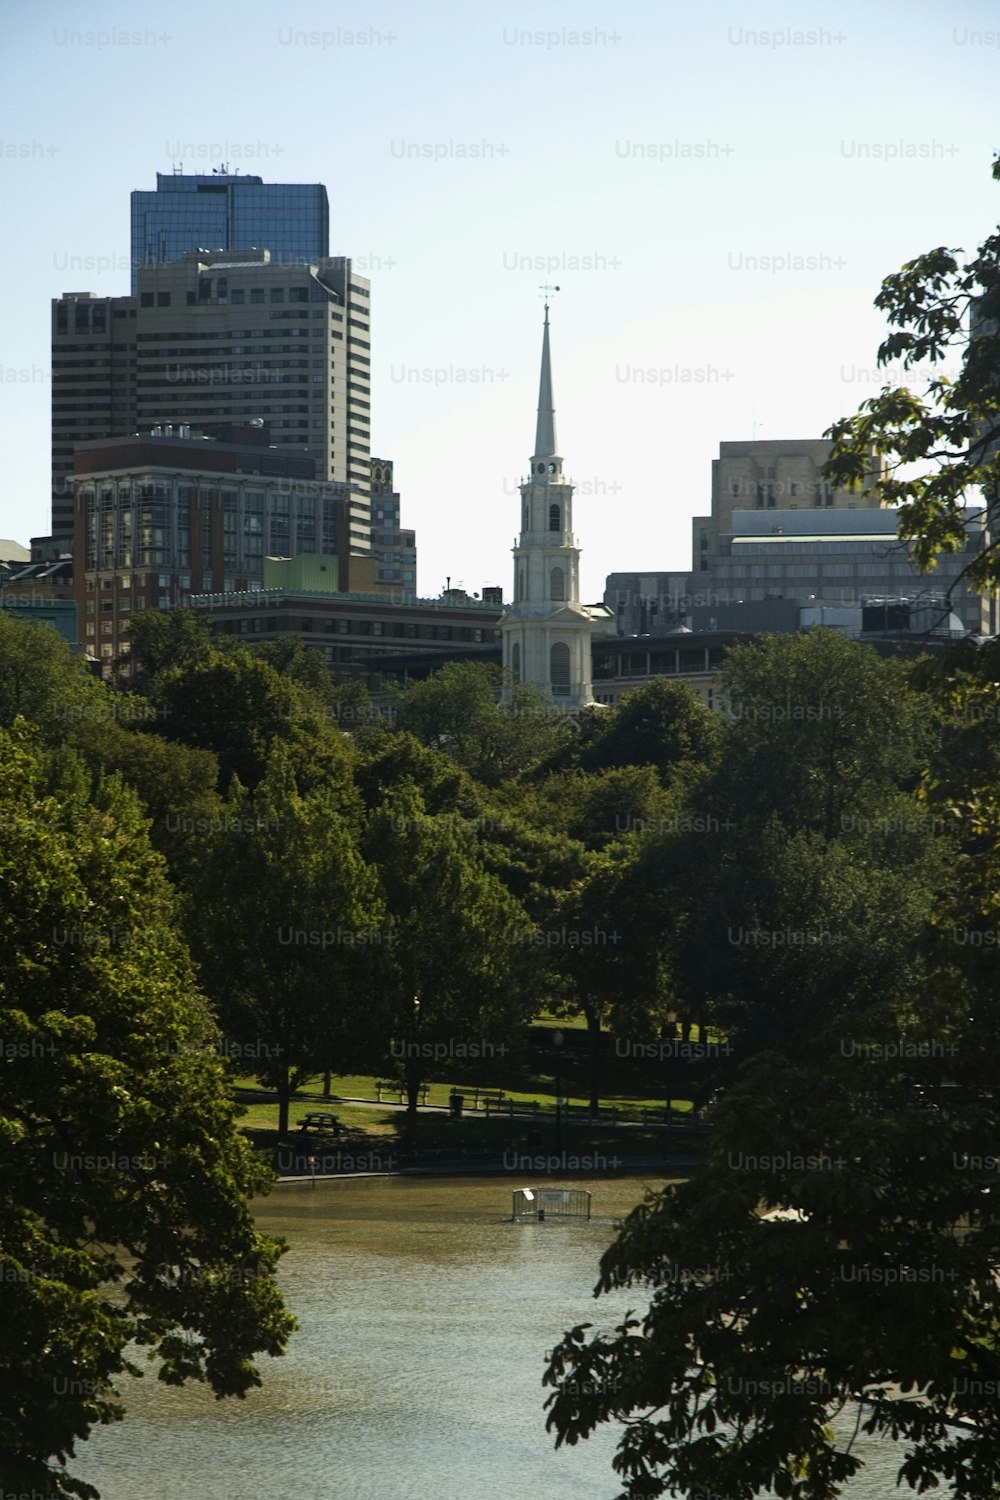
[(557, 1040), (672, 1022)]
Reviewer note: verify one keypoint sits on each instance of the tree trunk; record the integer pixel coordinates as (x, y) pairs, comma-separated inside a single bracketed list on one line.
[(284, 1098), (594, 1038), (412, 1075), (326, 1083)]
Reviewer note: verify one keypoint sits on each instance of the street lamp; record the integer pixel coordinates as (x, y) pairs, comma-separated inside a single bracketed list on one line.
[(672, 1021)]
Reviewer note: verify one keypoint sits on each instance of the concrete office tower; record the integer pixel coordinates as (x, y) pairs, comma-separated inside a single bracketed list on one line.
[(214, 340), (769, 474), (546, 631), (230, 337), (223, 212), (93, 385)]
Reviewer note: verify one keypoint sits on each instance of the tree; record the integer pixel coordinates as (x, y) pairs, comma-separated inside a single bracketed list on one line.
[(123, 1178), (41, 680), (238, 706), (458, 977), (760, 1333), (306, 665), (455, 710), (661, 724), (290, 930), (177, 785), (822, 729), (161, 639), (936, 305), (593, 968)]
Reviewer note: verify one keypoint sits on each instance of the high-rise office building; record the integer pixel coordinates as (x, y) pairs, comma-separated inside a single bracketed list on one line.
[(230, 336), (93, 385), (223, 212), (216, 339)]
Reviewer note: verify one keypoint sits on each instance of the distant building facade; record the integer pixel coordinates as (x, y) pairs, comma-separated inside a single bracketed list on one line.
[(394, 550), (162, 517), (770, 474), (367, 636)]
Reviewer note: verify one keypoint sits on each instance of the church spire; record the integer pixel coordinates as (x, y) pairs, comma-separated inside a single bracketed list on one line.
[(545, 430)]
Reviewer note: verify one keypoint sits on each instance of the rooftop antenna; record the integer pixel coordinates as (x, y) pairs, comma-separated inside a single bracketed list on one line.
[(755, 424), (178, 169)]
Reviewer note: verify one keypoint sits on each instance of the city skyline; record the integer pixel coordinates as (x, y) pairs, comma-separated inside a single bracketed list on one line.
[(718, 196)]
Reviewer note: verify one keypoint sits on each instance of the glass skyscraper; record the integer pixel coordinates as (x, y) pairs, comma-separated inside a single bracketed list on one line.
[(221, 212)]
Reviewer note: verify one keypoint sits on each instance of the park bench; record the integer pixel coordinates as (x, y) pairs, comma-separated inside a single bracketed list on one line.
[(384, 1088), (321, 1122)]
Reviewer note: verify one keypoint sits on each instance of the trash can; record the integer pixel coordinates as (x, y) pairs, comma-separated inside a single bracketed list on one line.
[(456, 1101)]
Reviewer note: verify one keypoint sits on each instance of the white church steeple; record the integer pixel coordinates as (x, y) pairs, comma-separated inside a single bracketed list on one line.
[(545, 630)]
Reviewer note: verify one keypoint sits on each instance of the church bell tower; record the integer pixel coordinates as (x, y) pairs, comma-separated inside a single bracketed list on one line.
[(545, 630)]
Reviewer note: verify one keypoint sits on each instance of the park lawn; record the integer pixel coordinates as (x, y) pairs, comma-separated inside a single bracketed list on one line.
[(261, 1110)]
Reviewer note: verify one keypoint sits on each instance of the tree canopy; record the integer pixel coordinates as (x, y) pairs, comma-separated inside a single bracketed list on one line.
[(123, 1178)]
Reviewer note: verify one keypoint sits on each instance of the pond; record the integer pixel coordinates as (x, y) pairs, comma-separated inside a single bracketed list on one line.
[(425, 1315)]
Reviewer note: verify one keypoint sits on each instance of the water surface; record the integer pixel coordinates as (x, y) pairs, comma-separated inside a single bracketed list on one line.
[(425, 1318)]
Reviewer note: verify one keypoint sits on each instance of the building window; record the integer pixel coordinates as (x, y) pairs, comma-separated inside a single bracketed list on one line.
[(559, 669), (554, 522), (515, 661), (557, 584)]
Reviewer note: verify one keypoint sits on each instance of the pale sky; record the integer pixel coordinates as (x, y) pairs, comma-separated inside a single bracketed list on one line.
[(662, 163)]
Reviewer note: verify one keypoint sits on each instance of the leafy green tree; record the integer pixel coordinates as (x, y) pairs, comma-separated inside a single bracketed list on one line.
[(238, 706), (460, 971), (456, 710), (290, 929), (661, 724), (389, 760), (177, 785), (41, 680), (164, 639), (124, 1182), (594, 968), (306, 665), (743, 1374), (940, 446), (822, 728), (594, 808)]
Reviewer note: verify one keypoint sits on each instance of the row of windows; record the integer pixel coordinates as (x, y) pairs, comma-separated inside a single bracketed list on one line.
[(408, 630), (206, 335)]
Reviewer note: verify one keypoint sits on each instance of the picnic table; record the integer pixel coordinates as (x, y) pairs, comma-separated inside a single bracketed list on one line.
[(322, 1122)]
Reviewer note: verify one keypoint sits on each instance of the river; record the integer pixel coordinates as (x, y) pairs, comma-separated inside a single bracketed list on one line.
[(425, 1315)]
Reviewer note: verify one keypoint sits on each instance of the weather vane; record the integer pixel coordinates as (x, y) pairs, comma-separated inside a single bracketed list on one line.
[(546, 290)]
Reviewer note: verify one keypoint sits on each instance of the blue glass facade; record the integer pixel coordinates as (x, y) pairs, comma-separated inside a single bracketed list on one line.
[(292, 220)]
